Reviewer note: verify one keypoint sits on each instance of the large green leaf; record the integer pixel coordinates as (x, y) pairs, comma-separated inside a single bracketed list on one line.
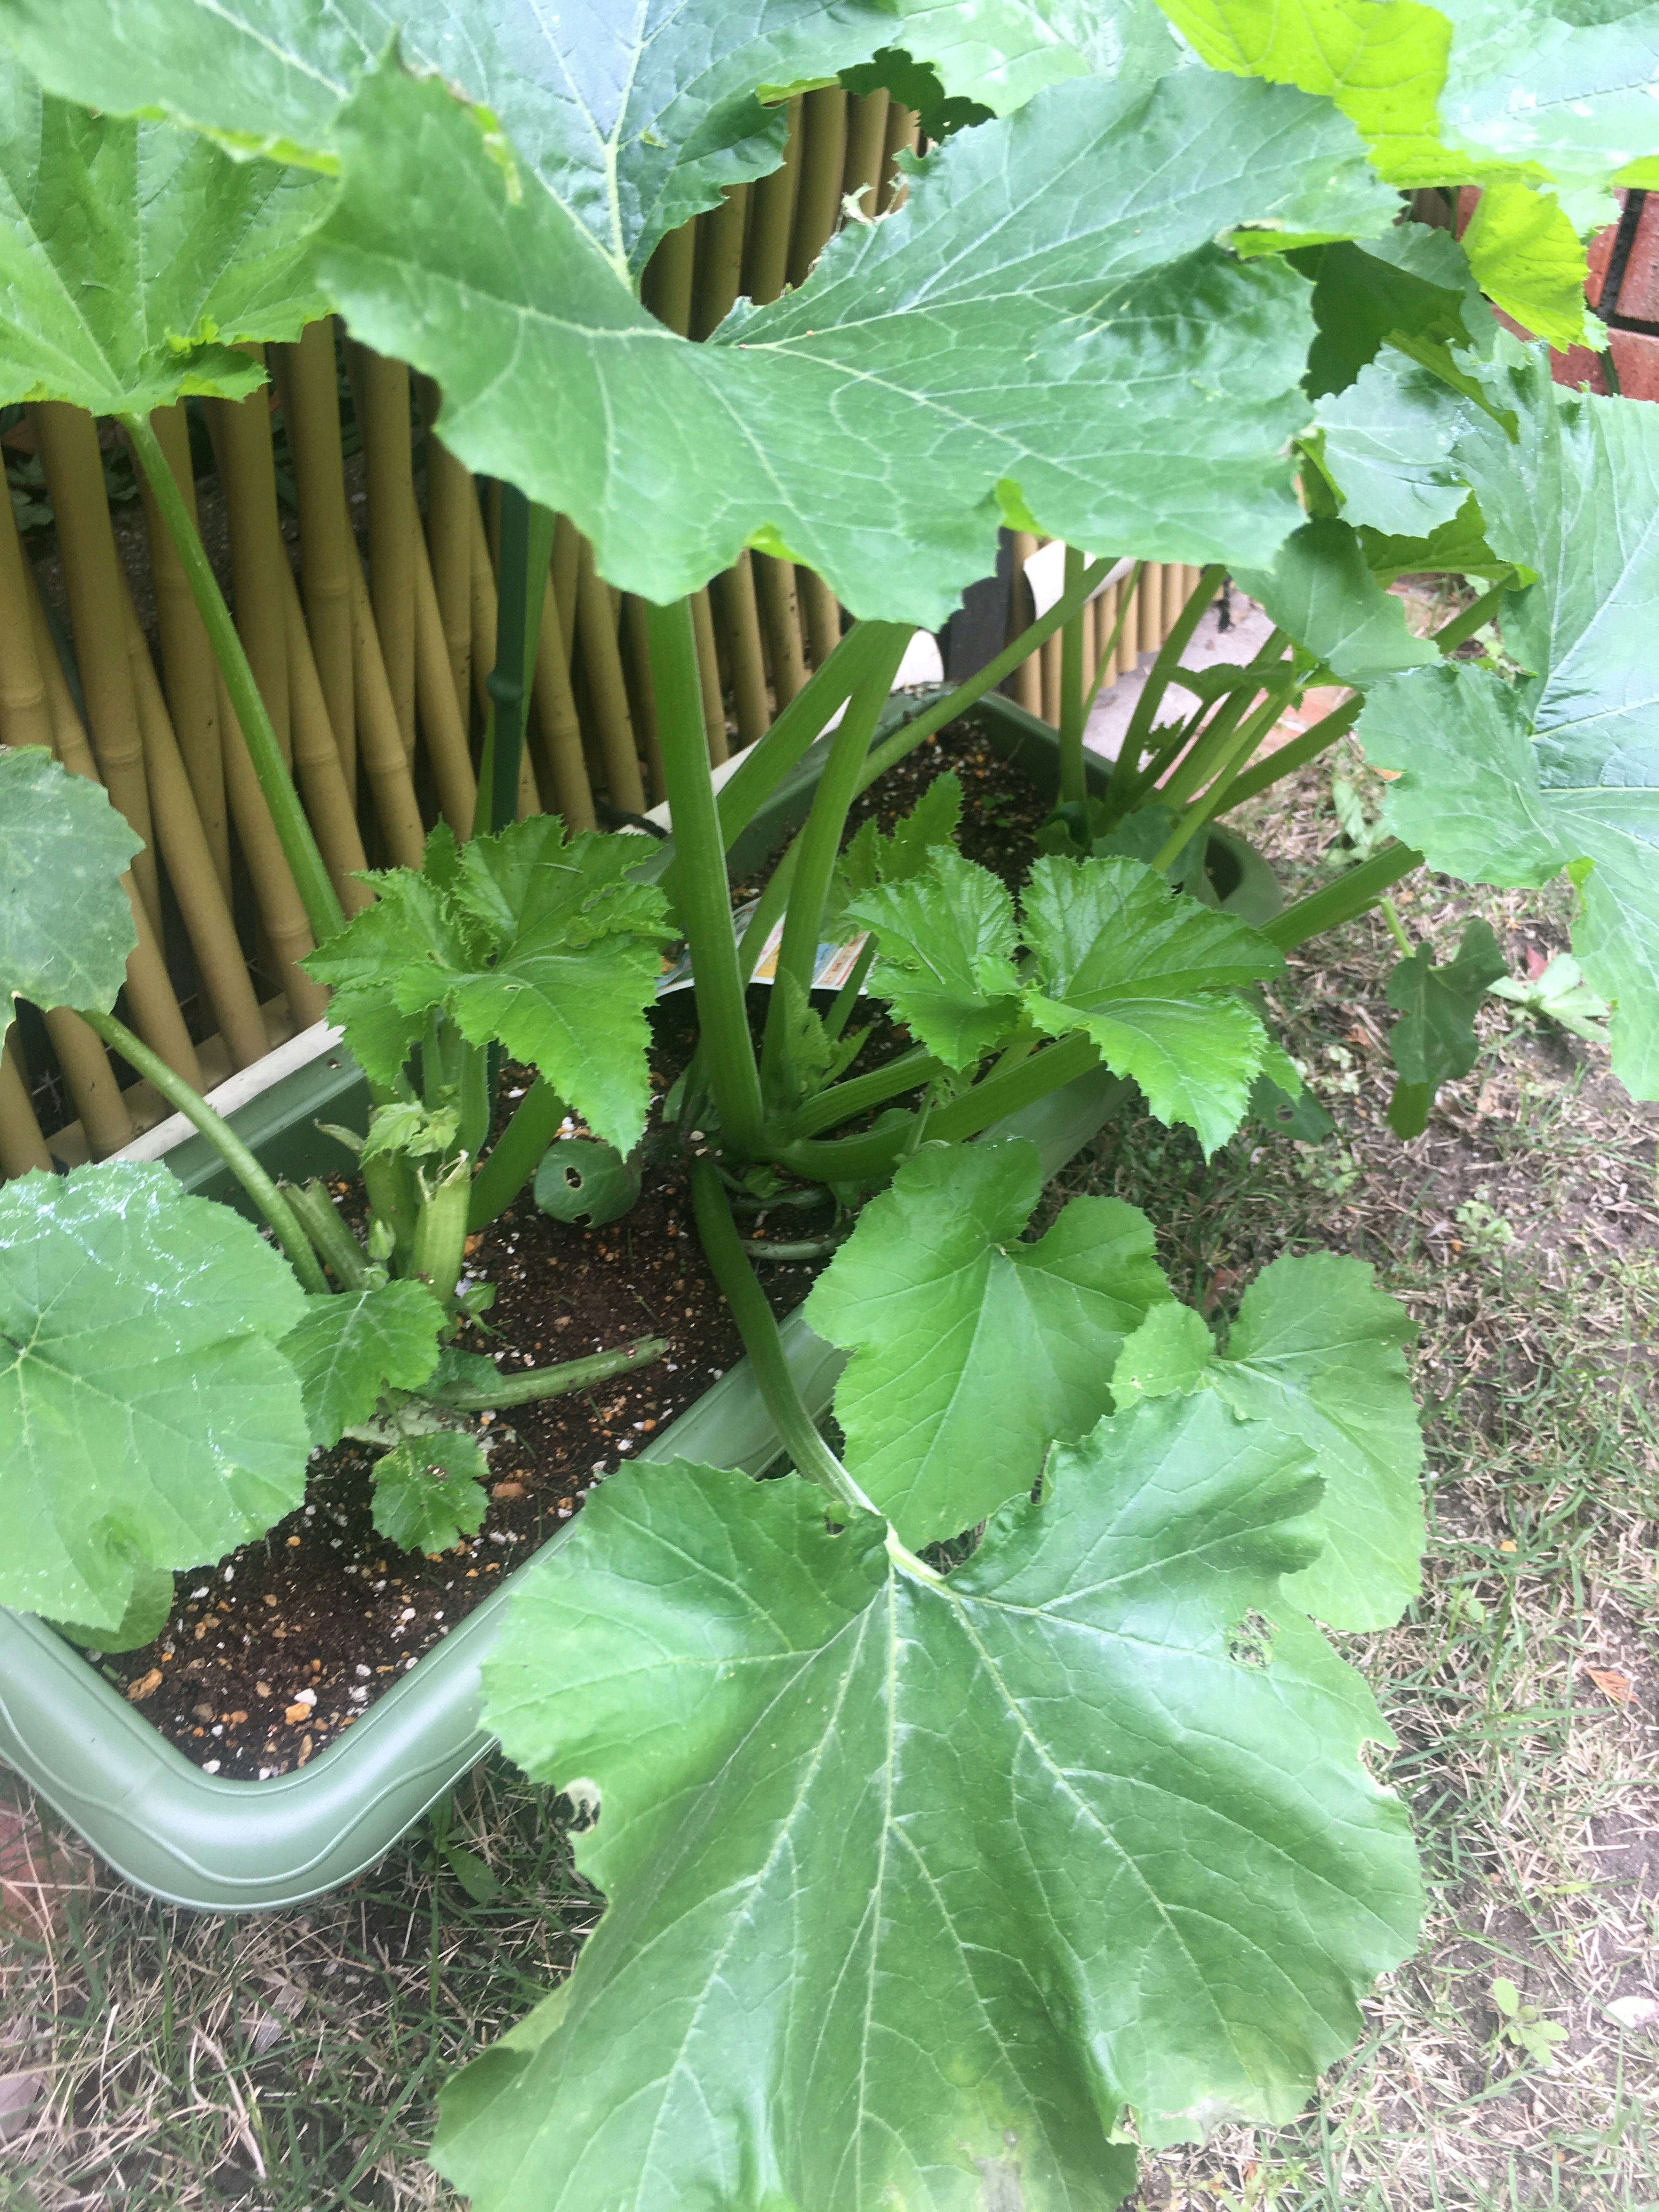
[(1387, 63), (133, 255), (1434, 1040), (1414, 280), (59, 833), (634, 118), (914, 1886), (528, 939), (350, 1347), (1152, 978), (1317, 1352), (1045, 327), (946, 962), (147, 1412), (1560, 84), (1389, 446), (1320, 591), (973, 1350), (1507, 781)]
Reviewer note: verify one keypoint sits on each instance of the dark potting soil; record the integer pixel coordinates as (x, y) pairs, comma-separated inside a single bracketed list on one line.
[(269, 1656)]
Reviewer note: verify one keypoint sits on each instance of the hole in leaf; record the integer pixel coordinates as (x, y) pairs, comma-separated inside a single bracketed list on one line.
[(1250, 1640)]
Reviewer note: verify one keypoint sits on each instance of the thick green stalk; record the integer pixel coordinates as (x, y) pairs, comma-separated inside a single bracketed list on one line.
[(1451, 634), (1296, 754), (554, 1382), (820, 844), (1353, 894), (340, 1249), (704, 897), (516, 1154), (1073, 773), (440, 1242), (1215, 744), (310, 877), (759, 1331), (1230, 757), (527, 547), (393, 1193), (946, 710), (296, 1246), (760, 771), (859, 1093), (864, 1158), (1159, 676)]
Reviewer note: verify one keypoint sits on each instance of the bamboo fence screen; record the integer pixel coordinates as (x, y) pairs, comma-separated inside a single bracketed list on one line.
[(364, 589)]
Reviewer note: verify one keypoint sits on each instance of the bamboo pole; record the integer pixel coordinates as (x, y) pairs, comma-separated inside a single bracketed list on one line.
[(449, 493), (555, 722), (738, 616), (709, 675), (381, 387), (773, 220), (822, 160), (666, 289), (562, 572), (21, 1145), (154, 1009), (866, 139), (779, 614), (187, 662), (309, 386), (240, 430), (1149, 610), (441, 720), (386, 764), (1105, 620), (26, 719), (281, 911), (822, 613), (596, 626), (721, 235), (202, 906), (317, 761), (67, 439)]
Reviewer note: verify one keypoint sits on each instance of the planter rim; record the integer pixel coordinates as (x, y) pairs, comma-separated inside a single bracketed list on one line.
[(215, 1842)]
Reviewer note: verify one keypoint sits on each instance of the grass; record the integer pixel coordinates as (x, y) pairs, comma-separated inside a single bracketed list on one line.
[(289, 2063)]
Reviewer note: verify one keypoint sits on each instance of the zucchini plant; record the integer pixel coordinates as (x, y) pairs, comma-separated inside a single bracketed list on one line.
[(984, 1797)]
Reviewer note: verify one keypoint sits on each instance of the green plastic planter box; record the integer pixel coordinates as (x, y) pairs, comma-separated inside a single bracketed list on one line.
[(204, 1840)]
